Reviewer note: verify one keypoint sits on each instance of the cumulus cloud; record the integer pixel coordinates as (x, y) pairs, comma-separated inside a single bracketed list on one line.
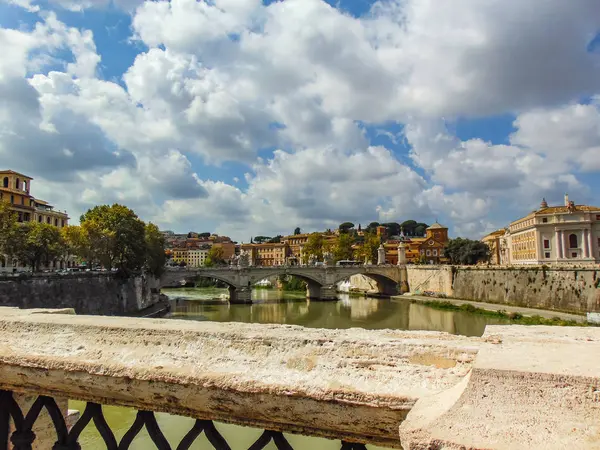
[(231, 80)]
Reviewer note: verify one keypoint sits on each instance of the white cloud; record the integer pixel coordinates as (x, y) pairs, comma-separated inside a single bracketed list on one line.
[(226, 79)]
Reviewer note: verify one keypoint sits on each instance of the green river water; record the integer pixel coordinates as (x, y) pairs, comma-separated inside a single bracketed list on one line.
[(273, 306)]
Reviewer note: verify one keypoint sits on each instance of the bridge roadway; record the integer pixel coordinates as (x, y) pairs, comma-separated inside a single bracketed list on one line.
[(321, 281)]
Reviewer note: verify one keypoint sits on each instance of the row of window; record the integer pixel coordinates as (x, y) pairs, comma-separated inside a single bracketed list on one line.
[(18, 184), (433, 252)]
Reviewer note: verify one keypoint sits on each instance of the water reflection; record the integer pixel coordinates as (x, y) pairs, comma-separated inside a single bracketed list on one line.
[(271, 306)]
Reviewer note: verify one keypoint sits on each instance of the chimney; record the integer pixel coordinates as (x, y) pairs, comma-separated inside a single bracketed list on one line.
[(566, 199), (544, 204)]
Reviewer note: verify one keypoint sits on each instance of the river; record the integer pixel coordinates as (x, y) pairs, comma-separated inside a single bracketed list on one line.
[(272, 306)]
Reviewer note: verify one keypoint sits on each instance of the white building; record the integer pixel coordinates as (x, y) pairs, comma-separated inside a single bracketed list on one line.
[(197, 257), (556, 235)]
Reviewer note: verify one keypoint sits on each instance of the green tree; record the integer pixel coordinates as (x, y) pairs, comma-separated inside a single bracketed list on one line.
[(372, 227), (8, 225), (155, 250), (276, 239), (420, 229), (214, 257), (75, 243), (367, 252), (118, 237), (34, 243), (393, 228), (296, 230), (204, 235), (342, 249), (408, 226), (466, 251), (314, 248), (261, 239), (346, 227)]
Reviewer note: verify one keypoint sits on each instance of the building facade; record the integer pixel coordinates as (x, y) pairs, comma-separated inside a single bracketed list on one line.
[(15, 189), (268, 254), (567, 234)]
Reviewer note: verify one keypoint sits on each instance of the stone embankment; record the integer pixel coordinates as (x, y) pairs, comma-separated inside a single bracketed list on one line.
[(86, 293), (516, 387), (575, 290)]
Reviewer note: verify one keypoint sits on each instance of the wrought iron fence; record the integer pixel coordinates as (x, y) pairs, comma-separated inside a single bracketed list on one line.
[(23, 437)]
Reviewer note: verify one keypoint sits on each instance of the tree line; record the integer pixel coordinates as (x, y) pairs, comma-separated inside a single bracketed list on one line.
[(112, 237)]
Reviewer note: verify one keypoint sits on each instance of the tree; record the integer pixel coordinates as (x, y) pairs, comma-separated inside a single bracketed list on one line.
[(466, 251), (276, 239), (205, 235), (8, 225), (117, 236), (372, 227), (296, 230), (155, 250), (367, 252), (420, 229), (342, 249), (408, 226), (313, 248), (214, 257), (345, 227), (393, 228), (75, 243), (35, 243), (261, 239)]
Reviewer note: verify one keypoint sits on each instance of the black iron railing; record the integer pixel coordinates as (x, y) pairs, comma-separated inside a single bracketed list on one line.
[(23, 437)]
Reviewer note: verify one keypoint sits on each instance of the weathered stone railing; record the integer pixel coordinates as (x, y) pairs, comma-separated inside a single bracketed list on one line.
[(517, 387)]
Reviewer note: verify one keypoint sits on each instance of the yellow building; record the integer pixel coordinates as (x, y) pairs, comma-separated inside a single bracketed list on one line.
[(268, 254), (497, 244), (15, 188), (556, 234)]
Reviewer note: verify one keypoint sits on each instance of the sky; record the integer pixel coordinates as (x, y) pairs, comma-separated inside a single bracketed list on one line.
[(250, 117)]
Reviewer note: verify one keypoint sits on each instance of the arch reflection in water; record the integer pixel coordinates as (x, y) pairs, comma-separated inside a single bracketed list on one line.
[(273, 306)]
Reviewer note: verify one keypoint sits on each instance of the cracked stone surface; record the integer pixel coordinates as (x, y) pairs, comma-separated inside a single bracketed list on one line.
[(530, 387), (353, 384)]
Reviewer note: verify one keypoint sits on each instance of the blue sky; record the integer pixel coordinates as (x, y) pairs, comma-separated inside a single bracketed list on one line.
[(385, 111)]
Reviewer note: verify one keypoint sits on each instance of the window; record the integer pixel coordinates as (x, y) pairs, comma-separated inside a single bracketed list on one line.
[(546, 243), (545, 220), (22, 200), (428, 252), (40, 219), (597, 216), (434, 252), (547, 254), (47, 219), (573, 241), (12, 199), (5, 182), (17, 183), (573, 255), (55, 222)]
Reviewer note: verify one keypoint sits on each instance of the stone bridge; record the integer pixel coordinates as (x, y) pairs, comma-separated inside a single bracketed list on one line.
[(321, 281)]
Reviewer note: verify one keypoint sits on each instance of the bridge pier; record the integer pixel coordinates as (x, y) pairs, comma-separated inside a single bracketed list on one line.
[(315, 291), (241, 295)]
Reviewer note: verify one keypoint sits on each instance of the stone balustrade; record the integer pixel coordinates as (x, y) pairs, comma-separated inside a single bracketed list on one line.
[(516, 387)]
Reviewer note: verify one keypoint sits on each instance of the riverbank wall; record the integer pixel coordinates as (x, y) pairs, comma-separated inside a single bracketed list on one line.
[(86, 293), (568, 289)]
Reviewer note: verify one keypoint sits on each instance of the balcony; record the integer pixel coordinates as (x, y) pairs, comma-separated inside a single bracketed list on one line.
[(388, 388)]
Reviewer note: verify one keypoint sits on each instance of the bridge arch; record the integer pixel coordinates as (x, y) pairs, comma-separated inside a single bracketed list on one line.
[(387, 284)]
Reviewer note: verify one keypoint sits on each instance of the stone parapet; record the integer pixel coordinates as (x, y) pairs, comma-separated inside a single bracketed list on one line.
[(355, 385), (516, 387), (530, 388)]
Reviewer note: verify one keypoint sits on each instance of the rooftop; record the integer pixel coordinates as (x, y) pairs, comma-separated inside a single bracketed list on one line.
[(12, 172), (437, 225)]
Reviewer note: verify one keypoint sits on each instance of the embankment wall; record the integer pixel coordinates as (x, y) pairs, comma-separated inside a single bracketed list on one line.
[(571, 289), (97, 294)]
